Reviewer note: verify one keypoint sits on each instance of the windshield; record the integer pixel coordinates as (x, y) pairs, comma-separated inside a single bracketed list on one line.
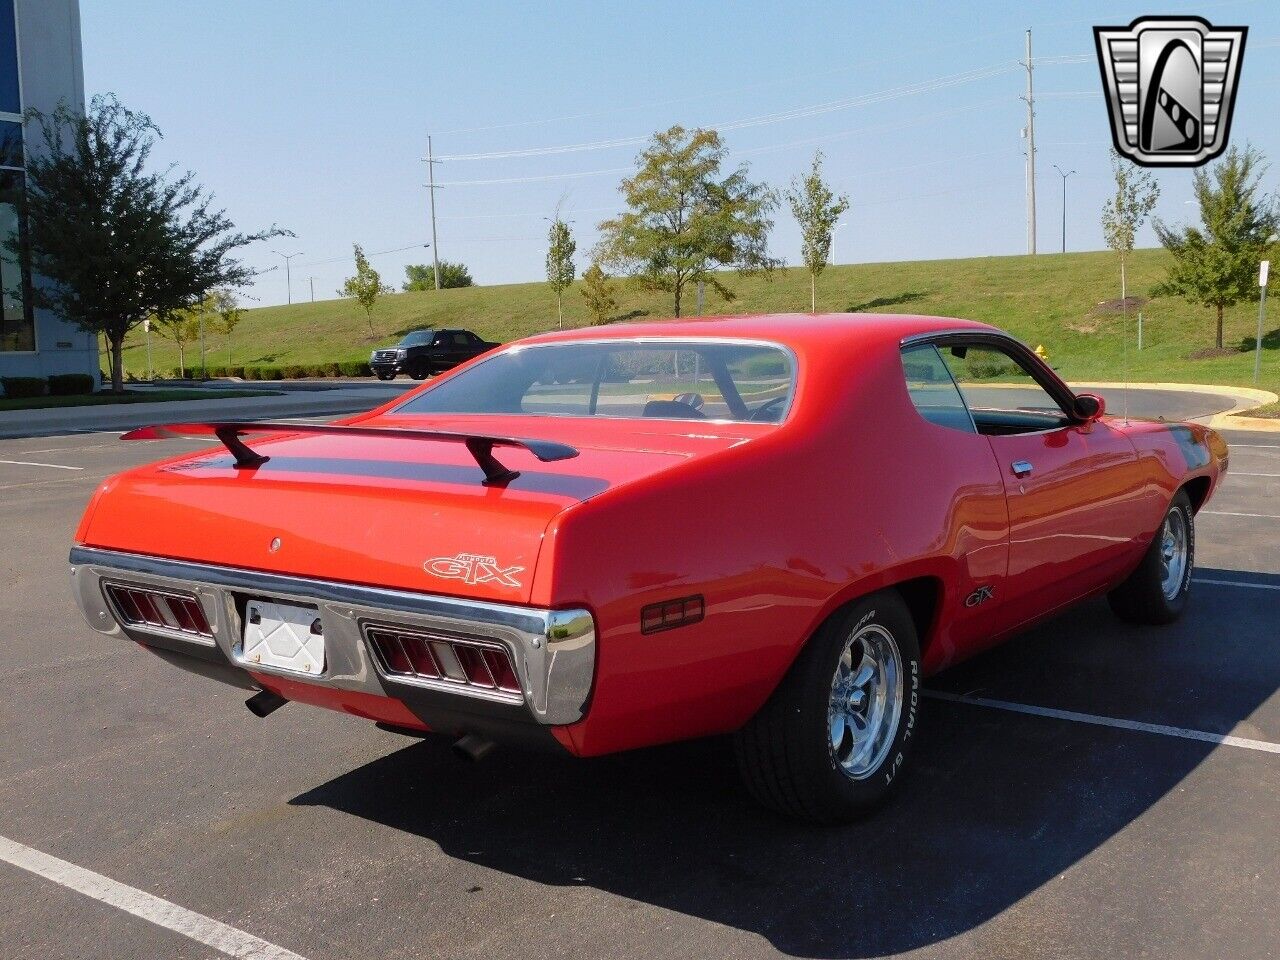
[(684, 380), (418, 338)]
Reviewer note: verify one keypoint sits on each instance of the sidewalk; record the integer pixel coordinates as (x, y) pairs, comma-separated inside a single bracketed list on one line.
[(311, 403)]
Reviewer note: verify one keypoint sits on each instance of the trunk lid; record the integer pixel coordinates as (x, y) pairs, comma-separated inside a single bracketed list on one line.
[(404, 513)]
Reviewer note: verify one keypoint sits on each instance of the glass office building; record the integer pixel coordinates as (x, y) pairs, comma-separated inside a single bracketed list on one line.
[(40, 67)]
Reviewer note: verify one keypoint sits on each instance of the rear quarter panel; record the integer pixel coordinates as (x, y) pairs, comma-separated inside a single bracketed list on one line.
[(776, 533)]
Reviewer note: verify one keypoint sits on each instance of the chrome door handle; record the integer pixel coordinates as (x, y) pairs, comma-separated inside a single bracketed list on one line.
[(1021, 468)]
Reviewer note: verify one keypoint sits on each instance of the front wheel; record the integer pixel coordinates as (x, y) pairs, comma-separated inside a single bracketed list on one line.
[(419, 372), (832, 741), (386, 376), (1156, 592)]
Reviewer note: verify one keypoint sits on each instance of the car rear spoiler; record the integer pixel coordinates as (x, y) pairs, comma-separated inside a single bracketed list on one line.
[(480, 446)]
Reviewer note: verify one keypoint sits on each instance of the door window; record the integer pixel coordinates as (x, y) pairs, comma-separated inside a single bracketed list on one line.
[(999, 392)]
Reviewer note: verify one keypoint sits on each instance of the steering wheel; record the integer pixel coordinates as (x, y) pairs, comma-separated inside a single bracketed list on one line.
[(769, 411)]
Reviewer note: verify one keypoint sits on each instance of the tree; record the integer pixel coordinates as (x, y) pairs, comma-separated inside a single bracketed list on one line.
[(1216, 264), (816, 208), (182, 327), (112, 242), (422, 276), (560, 269), (366, 286), (597, 290), (684, 222), (1135, 197), (228, 314)]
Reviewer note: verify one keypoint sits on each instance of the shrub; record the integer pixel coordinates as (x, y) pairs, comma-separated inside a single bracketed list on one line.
[(179, 373), (293, 371), (332, 370), (355, 368), (235, 372), (15, 387), (70, 384), (252, 373), (272, 373)]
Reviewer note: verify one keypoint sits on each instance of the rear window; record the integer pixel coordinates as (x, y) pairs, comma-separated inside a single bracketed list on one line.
[(682, 380)]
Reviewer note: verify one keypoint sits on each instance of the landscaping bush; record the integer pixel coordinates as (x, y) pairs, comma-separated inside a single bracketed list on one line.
[(216, 372), (272, 373), (70, 384), (355, 368), (332, 370), (252, 373), (235, 372), (15, 387), (293, 371)]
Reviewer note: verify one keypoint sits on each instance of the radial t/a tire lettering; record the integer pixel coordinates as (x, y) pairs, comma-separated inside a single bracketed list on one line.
[(833, 741)]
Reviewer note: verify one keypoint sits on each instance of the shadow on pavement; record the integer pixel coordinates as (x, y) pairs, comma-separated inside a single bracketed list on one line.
[(997, 805)]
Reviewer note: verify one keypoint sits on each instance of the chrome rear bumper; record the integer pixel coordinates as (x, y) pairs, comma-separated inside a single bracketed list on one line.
[(553, 651)]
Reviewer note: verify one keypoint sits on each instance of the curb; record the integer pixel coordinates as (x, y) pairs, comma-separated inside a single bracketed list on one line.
[(1246, 399)]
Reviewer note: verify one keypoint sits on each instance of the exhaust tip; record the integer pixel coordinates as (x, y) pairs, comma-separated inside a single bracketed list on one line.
[(472, 747), (264, 703)]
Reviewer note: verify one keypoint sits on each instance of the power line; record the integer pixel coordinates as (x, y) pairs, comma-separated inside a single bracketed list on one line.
[(866, 128), (811, 110)]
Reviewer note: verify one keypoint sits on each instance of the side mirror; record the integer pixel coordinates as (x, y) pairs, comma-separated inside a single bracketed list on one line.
[(1090, 407)]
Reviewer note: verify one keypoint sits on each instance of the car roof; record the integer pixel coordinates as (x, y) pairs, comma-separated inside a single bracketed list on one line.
[(801, 331)]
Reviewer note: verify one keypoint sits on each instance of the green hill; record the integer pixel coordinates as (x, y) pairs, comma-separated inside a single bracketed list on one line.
[(1051, 299)]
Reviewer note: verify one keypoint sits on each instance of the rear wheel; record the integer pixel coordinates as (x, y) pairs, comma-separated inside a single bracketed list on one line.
[(419, 371), (1156, 592), (831, 742)]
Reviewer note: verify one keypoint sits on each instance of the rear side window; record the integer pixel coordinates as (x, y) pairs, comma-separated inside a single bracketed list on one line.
[(933, 390)]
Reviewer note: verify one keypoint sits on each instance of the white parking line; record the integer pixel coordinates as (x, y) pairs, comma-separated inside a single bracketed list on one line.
[(139, 903), (1228, 513), (1237, 583), (1159, 728), (31, 463)]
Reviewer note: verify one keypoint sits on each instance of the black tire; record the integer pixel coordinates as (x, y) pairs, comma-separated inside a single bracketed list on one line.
[(419, 372), (386, 376), (785, 753), (1149, 596)]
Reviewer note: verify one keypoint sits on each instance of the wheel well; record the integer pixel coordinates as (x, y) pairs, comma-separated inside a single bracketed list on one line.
[(921, 596), (1197, 489)]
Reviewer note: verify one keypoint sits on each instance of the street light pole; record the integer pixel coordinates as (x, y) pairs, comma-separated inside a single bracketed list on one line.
[(288, 277), (1064, 203)]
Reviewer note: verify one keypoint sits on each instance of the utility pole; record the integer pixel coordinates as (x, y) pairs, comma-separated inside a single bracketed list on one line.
[(1064, 207), (431, 190), (313, 288), (1030, 134), (288, 278)]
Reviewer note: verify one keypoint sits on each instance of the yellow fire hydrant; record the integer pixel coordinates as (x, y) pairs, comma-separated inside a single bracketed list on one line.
[(1041, 352)]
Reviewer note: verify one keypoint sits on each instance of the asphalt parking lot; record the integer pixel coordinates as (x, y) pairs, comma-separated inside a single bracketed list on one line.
[(1113, 819)]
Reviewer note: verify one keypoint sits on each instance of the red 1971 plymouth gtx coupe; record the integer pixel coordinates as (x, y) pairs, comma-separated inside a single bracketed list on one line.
[(774, 527)]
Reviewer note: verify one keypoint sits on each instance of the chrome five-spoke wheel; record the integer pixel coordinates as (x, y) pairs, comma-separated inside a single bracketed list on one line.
[(1173, 553), (866, 701)]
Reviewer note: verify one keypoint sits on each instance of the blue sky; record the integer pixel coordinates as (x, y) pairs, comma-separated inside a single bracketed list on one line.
[(315, 116)]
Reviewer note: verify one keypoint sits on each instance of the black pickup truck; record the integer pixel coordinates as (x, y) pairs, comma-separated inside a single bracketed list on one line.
[(424, 352)]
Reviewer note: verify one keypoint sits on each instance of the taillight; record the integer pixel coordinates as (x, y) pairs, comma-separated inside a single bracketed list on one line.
[(421, 656), (147, 607)]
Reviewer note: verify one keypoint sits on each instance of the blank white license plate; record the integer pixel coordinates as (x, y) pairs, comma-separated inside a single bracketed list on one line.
[(287, 636)]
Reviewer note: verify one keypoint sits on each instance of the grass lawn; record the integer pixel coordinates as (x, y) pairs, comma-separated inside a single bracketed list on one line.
[(1050, 299), (137, 396)]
